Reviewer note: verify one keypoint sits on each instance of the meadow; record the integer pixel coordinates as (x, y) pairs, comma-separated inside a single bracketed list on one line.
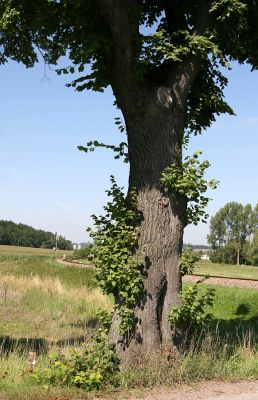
[(17, 252), (226, 270), (46, 306)]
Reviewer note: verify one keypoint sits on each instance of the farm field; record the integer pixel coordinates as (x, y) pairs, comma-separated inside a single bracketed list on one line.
[(18, 251), (46, 306), (226, 270)]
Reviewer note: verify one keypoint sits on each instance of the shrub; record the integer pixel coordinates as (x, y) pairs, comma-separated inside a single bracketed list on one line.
[(84, 252), (95, 364), (188, 260), (190, 314)]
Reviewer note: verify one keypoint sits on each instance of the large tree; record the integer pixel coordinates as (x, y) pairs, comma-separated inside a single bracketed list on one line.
[(163, 60)]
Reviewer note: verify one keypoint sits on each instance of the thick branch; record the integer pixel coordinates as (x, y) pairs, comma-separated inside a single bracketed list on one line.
[(121, 18), (181, 77)]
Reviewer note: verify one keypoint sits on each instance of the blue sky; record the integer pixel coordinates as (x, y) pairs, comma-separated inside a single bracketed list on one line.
[(47, 183)]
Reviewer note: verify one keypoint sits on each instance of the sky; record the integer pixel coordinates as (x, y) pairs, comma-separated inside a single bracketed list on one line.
[(47, 183)]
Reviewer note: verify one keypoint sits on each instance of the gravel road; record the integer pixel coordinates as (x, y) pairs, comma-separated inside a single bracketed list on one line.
[(242, 390), (248, 284)]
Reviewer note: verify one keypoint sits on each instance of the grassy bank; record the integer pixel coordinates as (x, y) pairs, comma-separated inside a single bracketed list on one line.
[(47, 306), (234, 313), (234, 271)]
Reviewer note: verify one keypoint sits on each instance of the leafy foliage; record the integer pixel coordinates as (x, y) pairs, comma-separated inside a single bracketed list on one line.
[(231, 231), (118, 270), (89, 368), (120, 150), (187, 180), (252, 252), (206, 98), (215, 33), (191, 314), (188, 260)]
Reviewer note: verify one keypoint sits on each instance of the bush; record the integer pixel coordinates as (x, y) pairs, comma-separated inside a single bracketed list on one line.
[(188, 260), (89, 368), (84, 252), (96, 364), (190, 314)]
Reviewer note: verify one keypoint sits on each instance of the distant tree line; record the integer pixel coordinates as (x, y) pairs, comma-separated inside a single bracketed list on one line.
[(200, 247), (234, 234), (24, 235)]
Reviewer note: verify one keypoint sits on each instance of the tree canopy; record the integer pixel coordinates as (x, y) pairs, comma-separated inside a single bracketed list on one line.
[(128, 43), (231, 231), (24, 235)]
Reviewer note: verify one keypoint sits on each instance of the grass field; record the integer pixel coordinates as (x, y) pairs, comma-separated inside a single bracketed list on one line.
[(45, 302), (234, 311), (234, 271), (12, 252), (46, 306)]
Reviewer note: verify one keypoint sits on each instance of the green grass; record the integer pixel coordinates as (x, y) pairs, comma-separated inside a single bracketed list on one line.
[(45, 305), (234, 311), (70, 275), (234, 271), (16, 252)]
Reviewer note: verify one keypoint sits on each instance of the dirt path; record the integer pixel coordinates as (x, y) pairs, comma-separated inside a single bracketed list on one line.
[(248, 284), (72, 262), (242, 390)]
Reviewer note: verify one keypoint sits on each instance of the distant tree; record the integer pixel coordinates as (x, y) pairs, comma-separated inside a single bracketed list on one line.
[(252, 252), (63, 244), (24, 235), (231, 230)]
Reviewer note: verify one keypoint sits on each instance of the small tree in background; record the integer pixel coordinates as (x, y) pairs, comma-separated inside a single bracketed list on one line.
[(231, 230)]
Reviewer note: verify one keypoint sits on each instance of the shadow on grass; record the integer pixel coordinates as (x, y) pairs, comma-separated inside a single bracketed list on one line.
[(39, 345), (89, 323), (22, 345), (236, 330)]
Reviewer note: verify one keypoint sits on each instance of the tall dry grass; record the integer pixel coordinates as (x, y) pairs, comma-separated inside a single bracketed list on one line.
[(54, 287)]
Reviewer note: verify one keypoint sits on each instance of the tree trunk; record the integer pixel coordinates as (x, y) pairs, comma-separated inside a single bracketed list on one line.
[(238, 256), (154, 140)]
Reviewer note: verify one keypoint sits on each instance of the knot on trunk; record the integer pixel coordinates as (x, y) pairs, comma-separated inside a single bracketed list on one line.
[(164, 96)]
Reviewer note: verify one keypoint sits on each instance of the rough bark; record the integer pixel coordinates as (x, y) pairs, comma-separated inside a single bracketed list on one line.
[(154, 138), (155, 120)]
